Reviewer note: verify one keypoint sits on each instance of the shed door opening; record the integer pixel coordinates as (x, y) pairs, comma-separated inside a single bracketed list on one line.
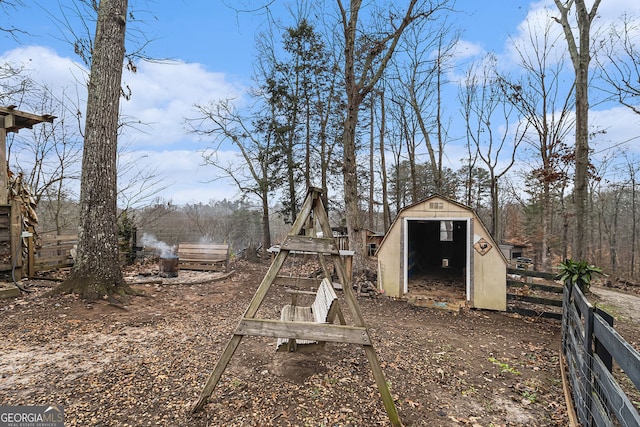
[(436, 257)]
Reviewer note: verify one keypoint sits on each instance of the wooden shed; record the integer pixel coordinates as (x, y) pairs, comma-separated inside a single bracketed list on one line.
[(440, 247)]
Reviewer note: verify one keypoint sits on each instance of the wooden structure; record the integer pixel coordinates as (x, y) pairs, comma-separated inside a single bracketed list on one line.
[(303, 238), (591, 347), (324, 309), (203, 257), (52, 251), (534, 293), (12, 224), (443, 241)]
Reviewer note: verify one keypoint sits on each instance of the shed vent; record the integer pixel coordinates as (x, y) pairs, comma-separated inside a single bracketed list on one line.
[(436, 205)]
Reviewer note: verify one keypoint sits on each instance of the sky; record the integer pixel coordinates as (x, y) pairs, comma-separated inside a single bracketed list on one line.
[(210, 50)]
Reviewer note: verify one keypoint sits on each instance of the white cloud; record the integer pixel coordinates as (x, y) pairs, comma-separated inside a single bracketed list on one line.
[(621, 129), (45, 67), (184, 177), (463, 51), (163, 95)]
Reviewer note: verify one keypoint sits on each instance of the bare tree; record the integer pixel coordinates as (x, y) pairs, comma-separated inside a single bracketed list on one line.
[(579, 47), (489, 117), (138, 183), (386, 213), (539, 97), (8, 7), (49, 158), (96, 272), (255, 173), (365, 61), (619, 60)]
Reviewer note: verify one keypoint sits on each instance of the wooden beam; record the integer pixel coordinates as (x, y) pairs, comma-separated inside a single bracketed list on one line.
[(302, 282), (303, 330), (4, 179), (323, 245), (217, 373)]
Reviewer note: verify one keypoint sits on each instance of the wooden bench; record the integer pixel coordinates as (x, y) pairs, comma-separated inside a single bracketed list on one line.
[(203, 256), (323, 310)]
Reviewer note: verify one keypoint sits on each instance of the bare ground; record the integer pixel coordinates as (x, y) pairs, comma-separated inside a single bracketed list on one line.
[(145, 366)]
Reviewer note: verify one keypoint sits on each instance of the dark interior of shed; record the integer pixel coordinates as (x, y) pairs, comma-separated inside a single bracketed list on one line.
[(437, 256)]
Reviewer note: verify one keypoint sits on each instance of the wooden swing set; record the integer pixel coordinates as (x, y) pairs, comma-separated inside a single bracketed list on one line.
[(306, 325)]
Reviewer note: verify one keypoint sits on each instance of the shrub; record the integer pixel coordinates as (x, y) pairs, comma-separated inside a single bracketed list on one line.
[(578, 273)]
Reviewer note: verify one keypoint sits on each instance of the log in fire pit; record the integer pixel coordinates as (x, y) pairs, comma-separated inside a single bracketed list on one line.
[(168, 266)]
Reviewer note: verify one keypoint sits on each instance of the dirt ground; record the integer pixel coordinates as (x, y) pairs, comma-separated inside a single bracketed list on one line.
[(147, 364)]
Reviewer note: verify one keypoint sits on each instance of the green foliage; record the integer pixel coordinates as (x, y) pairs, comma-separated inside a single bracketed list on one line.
[(504, 367), (578, 273)]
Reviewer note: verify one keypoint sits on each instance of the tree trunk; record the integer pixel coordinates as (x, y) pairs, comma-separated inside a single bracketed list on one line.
[(96, 272), (266, 230), (351, 200), (580, 57), (372, 179), (386, 214), (582, 165), (546, 227), (495, 218)]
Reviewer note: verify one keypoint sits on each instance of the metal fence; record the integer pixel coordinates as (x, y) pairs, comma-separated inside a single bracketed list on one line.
[(598, 359)]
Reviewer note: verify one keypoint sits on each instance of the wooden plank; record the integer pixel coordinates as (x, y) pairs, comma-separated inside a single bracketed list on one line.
[(215, 376), (296, 313), (534, 313), (627, 357), (558, 289), (322, 245), (9, 290), (535, 300), (532, 273), (573, 419), (48, 238), (203, 247), (304, 330), (202, 256), (302, 282), (383, 387)]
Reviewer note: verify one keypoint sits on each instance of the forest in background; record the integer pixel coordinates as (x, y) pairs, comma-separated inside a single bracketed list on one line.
[(516, 168)]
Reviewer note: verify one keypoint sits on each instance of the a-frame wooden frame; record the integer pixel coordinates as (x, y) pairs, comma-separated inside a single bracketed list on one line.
[(312, 211)]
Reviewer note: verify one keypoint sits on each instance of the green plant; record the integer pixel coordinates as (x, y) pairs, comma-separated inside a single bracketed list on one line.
[(504, 367), (578, 273), (531, 396)]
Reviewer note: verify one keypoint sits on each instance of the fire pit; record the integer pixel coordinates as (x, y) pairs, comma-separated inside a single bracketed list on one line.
[(168, 266)]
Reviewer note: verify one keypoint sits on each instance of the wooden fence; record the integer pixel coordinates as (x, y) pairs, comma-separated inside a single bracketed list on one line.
[(598, 360), (534, 293), (52, 252)]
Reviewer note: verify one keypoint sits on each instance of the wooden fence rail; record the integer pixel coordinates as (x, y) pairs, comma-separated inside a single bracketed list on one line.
[(591, 346), (52, 252), (539, 298)]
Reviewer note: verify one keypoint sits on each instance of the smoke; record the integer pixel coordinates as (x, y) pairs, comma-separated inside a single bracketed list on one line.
[(164, 249)]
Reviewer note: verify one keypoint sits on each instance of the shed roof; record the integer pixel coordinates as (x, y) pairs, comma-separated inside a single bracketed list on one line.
[(449, 200)]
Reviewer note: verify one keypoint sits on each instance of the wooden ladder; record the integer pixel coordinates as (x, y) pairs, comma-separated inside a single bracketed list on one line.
[(312, 211)]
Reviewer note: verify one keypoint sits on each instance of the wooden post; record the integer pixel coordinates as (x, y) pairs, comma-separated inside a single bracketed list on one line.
[(16, 240), (31, 250), (4, 180)]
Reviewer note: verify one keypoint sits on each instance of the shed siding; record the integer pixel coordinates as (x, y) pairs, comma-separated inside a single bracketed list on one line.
[(488, 271)]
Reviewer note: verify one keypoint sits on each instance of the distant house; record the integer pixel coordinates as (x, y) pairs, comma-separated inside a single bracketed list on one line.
[(513, 252), (440, 242), (372, 239)]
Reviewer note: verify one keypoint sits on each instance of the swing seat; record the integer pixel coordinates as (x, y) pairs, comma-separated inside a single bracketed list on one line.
[(323, 310)]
